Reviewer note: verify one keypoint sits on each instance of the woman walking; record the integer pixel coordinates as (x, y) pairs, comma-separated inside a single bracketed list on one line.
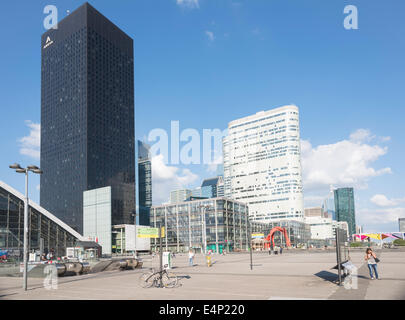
[(371, 259), (190, 258)]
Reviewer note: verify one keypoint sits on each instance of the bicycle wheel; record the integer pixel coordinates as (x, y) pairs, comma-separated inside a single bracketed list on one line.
[(147, 279), (169, 280)]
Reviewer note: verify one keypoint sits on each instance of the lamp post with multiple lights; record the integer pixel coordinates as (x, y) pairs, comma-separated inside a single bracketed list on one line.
[(19, 169)]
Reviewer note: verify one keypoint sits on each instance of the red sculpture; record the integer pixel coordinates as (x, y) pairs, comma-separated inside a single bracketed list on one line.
[(270, 236)]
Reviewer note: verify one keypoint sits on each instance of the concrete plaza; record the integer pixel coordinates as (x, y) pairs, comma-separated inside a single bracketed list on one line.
[(292, 275)]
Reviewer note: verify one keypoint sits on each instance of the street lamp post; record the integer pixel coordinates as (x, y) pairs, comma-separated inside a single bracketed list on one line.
[(204, 226), (19, 169), (134, 215)]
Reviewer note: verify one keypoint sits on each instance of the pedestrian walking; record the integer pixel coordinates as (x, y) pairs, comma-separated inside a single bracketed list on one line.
[(190, 258), (281, 250), (372, 260)]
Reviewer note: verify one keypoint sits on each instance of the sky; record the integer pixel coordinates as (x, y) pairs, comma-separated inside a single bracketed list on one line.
[(205, 63)]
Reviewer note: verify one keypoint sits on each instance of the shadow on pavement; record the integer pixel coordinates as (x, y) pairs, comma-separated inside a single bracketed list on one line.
[(327, 276)]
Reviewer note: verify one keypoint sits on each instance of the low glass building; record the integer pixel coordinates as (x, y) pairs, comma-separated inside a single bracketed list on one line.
[(46, 232), (218, 223), (298, 232)]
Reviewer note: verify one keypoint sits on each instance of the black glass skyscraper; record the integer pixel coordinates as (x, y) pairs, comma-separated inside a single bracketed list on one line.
[(87, 115), (344, 207), (144, 183)]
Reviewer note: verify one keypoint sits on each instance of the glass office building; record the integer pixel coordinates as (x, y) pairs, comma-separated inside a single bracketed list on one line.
[(210, 188), (298, 232), (344, 207), (87, 114), (144, 183), (225, 221), (46, 232)]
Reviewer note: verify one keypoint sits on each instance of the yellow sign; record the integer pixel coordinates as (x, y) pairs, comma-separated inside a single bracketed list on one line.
[(150, 232), (257, 235)]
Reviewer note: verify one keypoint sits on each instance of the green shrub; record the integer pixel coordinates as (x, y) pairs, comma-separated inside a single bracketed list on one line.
[(357, 244), (399, 242)]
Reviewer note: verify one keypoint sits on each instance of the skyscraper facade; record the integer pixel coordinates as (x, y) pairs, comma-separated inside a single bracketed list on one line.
[(144, 183), (344, 208), (87, 115), (262, 165)]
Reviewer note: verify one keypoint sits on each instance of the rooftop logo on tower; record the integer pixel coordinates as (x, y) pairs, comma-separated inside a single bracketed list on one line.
[(48, 42)]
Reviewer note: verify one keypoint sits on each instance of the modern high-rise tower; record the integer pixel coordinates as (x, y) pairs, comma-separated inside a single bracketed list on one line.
[(344, 207), (262, 164), (87, 116)]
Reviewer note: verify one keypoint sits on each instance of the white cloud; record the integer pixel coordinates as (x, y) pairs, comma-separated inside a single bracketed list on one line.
[(361, 135), (382, 201), (344, 163), (210, 35), (30, 145), (385, 139), (380, 217), (167, 178), (191, 4)]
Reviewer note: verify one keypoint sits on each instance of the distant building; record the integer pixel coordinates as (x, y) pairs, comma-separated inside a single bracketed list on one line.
[(180, 195), (342, 225), (144, 183), (220, 170), (401, 223), (210, 188), (262, 164), (196, 193), (321, 227), (328, 205), (314, 212), (344, 207)]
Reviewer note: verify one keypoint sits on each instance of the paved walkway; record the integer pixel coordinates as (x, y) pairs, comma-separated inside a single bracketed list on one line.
[(304, 275)]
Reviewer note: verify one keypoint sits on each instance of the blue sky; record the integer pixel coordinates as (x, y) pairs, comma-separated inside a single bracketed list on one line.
[(207, 62)]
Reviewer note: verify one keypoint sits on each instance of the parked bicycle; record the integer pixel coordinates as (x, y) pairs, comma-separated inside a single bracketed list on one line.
[(152, 279)]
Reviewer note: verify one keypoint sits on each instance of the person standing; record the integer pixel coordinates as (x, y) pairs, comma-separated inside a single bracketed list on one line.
[(190, 258), (371, 259)]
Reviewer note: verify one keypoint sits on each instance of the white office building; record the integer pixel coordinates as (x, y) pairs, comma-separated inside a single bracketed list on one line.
[(342, 225), (181, 195), (97, 209), (321, 227), (262, 165)]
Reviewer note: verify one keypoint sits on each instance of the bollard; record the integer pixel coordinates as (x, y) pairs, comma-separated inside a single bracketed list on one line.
[(208, 261)]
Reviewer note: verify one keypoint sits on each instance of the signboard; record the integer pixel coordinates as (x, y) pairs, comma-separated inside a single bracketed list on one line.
[(257, 235), (134, 242), (148, 233)]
